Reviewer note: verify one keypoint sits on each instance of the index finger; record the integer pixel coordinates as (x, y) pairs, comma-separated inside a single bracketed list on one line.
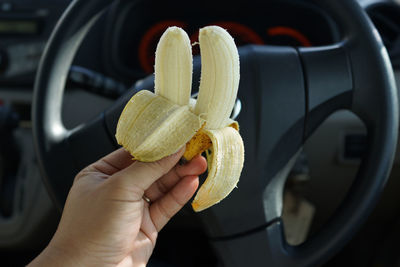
[(114, 162), (144, 174)]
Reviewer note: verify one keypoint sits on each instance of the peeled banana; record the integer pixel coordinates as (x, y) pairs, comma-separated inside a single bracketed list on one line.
[(155, 125)]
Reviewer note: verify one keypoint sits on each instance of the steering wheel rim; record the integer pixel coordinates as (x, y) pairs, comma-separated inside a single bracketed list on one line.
[(249, 221)]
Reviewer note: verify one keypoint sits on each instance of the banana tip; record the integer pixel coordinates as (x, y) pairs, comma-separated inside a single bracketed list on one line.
[(175, 30), (196, 207), (211, 30)]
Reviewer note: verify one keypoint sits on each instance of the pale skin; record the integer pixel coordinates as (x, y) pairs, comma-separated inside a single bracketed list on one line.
[(107, 221)]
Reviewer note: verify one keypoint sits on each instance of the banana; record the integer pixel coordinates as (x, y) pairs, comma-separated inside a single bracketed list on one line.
[(155, 125), (173, 66)]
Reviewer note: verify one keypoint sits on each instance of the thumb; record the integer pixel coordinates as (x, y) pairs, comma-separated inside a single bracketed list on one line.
[(144, 174)]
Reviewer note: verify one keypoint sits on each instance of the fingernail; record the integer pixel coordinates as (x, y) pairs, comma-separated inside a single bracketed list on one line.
[(183, 161)]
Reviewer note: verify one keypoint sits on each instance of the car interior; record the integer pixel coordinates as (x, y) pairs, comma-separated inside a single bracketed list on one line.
[(317, 107)]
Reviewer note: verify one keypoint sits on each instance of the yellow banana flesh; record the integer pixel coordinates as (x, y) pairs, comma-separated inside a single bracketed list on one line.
[(220, 76), (153, 126), (174, 52)]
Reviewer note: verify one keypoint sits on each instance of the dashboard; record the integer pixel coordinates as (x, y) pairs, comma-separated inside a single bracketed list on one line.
[(25, 27), (124, 41), (132, 42)]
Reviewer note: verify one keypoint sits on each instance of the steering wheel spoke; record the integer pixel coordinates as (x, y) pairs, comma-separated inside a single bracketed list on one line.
[(328, 82)]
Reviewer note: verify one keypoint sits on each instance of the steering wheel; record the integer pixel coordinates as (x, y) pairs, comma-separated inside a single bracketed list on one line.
[(286, 93)]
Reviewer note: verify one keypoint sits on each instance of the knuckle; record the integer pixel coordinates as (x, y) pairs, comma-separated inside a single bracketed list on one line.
[(177, 199), (167, 213), (161, 187)]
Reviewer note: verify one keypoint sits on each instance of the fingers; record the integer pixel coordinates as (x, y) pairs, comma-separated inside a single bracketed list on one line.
[(114, 162), (144, 174), (162, 210), (195, 167), (110, 164)]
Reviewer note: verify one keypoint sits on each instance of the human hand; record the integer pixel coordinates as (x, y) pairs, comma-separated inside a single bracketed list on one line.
[(106, 220)]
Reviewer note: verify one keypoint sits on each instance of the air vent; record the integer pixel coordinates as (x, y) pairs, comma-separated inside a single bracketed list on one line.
[(386, 17)]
